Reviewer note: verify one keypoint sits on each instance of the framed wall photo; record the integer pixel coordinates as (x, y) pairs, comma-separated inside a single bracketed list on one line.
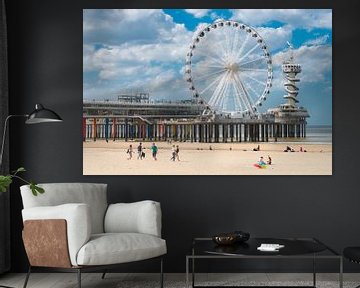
[(207, 92)]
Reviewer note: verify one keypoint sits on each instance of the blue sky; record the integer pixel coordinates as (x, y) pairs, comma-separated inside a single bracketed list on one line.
[(145, 50)]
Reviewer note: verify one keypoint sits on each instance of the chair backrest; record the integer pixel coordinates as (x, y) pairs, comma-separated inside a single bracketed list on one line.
[(62, 193)]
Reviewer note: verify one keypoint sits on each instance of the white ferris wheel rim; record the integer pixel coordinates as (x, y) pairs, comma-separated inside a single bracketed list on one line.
[(231, 71)]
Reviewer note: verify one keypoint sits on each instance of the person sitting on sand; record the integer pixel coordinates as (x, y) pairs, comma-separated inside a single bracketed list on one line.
[(269, 161), (302, 149), (261, 161), (289, 149), (257, 148)]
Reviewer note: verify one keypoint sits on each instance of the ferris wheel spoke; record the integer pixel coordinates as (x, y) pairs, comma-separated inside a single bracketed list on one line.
[(218, 90), (245, 93), (212, 84), (223, 48), (235, 44), (253, 70), (249, 52), (212, 65), (240, 96), (211, 74), (215, 66), (220, 96), (215, 93), (252, 61), (254, 79), (225, 94), (237, 96), (242, 47), (252, 90), (218, 51), (216, 60), (227, 43)]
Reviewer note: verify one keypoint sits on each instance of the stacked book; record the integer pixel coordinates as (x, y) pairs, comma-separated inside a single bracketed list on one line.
[(270, 247)]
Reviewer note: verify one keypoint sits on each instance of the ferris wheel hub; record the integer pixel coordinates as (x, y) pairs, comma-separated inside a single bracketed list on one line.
[(232, 67)]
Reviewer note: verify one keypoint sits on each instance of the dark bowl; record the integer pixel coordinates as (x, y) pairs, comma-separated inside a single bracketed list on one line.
[(225, 239), (241, 236)]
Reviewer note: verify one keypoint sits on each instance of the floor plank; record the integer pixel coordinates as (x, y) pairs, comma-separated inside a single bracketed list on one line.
[(114, 280)]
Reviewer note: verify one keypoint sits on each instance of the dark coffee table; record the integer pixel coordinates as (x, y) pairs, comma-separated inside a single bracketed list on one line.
[(295, 248)]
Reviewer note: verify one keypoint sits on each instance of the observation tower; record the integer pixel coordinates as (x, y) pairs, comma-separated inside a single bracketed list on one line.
[(292, 118)]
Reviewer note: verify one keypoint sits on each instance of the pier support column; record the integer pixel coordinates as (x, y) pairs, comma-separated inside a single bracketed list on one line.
[(94, 128), (113, 130), (84, 128), (245, 132)]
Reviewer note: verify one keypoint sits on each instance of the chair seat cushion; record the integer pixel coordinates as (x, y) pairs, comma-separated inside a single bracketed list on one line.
[(114, 248), (352, 253)]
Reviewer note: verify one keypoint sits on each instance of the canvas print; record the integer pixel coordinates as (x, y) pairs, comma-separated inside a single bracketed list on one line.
[(207, 92)]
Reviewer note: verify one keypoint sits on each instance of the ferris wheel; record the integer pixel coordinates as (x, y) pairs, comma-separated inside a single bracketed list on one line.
[(229, 68)]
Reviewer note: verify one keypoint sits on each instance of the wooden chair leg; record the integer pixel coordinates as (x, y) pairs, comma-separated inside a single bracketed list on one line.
[(27, 277)]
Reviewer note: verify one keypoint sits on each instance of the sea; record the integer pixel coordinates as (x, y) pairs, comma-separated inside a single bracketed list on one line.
[(316, 134)]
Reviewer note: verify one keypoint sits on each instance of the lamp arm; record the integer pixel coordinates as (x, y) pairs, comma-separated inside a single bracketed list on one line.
[(4, 134)]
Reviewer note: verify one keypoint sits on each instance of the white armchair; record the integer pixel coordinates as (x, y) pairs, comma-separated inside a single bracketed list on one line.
[(72, 228)]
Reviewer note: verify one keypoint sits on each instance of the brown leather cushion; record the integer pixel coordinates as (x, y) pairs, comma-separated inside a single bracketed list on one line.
[(46, 244)]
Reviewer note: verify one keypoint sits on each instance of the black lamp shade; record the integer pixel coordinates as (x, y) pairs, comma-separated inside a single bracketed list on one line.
[(42, 115)]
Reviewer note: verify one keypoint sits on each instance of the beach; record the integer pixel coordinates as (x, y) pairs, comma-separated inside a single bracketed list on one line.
[(110, 158)]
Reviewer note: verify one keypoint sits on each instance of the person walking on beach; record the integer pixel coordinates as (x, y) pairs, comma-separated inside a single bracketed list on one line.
[(154, 150), (130, 152), (177, 150), (140, 151), (173, 153)]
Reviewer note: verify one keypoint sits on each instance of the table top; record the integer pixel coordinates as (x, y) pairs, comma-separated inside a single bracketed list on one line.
[(292, 247)]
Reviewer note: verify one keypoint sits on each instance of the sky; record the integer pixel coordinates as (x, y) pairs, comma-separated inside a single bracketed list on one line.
[(144, 50)]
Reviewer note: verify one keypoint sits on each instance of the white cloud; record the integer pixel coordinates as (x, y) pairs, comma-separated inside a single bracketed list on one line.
[(318, 41), (316, 62), (145, 50), (125, 58), (118, 26), (198, 13), (275, 38), (301, 18)]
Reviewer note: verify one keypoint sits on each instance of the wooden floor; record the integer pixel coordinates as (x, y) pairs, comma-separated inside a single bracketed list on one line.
[(114, 280)]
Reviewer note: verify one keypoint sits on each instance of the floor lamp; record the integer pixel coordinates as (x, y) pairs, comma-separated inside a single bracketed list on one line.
[(39, 115)]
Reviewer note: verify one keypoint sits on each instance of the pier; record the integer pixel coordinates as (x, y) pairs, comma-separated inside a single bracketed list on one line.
[(134, 116), (192, 130)]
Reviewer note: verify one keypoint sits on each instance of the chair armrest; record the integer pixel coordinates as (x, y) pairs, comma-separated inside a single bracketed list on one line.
[(138, 217), (78, 223)]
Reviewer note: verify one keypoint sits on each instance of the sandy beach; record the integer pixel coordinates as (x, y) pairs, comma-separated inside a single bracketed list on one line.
[(102, 158)]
